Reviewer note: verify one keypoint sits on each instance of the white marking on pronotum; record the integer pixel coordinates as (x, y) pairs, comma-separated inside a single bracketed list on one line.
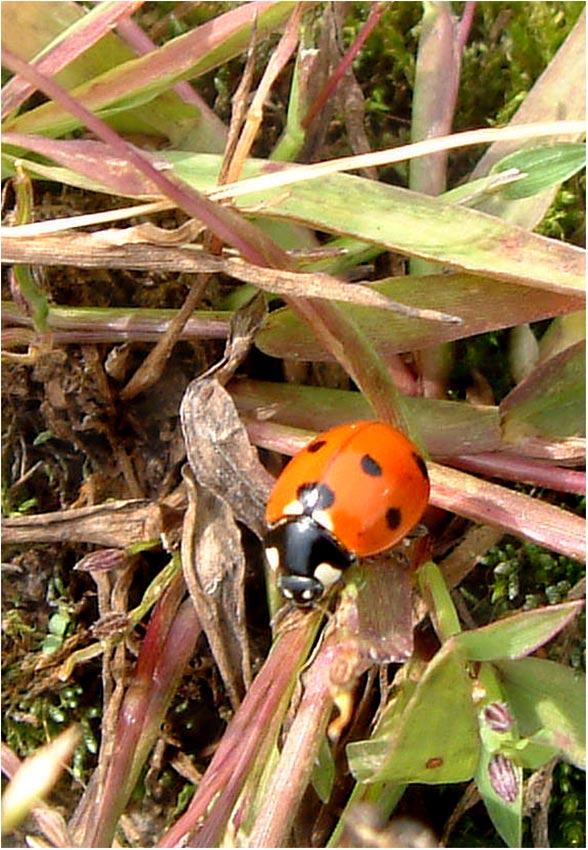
[(324, 518), (327, 574), (295, 508), (273, 557)]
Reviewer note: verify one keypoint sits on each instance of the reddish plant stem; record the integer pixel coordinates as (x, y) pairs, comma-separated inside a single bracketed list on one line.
[(528, 470), (367, 29), (255, 723)]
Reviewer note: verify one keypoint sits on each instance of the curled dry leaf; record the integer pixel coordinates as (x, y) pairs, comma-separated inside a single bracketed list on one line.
[(220, 453), (244, 326), (214, 570), (225, 481), (217, 445)]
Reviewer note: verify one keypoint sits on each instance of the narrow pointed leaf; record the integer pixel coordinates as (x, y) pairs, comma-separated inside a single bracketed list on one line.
[(543, 167), (482, 303), (440, 604), (551, 400), (519, 635)]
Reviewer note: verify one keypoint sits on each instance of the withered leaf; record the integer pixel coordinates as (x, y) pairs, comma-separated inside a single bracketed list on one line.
[(245, 323), (220, 454), (217, 444), (384, 615), (225, 482), (214, 570)]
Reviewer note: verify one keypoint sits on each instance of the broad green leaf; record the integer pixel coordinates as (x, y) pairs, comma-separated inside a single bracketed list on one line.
[(426, 227), (368, 756), (543, 167), (549, 698), (519, 635), (419, 226), (445, 427), (551, 401), (559, 91), (482, 303), (536, 750), (434, 739)]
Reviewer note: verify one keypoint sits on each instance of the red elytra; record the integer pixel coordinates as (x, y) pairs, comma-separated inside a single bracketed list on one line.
[(368, 486)]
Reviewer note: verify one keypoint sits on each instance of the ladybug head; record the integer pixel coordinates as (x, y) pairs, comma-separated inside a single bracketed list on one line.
[(308, 558), (304, 591)]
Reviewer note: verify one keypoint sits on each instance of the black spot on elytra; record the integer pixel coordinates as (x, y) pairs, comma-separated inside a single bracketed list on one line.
[(316, 446), (370, 466), (315, 496), (421, 465), (393, 518)]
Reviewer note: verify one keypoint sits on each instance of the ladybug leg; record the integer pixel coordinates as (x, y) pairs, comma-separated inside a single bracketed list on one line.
[(420, 530)]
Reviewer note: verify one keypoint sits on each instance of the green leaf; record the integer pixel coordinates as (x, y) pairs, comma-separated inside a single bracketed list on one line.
[(404, 221), (142, 79), (51, 644), (500, 783), (446, 427), (499, 772), (519, 635), (483, 304), (436, 594), (34, 295), (426, 227), (323, 774), (471, 193), (551, 400), (433, 738), (563, 332), (543, 167), (58, 624), (549, 698), (535, 751), (292, 139), (413, 224)]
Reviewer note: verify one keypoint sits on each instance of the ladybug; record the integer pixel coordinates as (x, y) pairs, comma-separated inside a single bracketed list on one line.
[(354, 490)]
